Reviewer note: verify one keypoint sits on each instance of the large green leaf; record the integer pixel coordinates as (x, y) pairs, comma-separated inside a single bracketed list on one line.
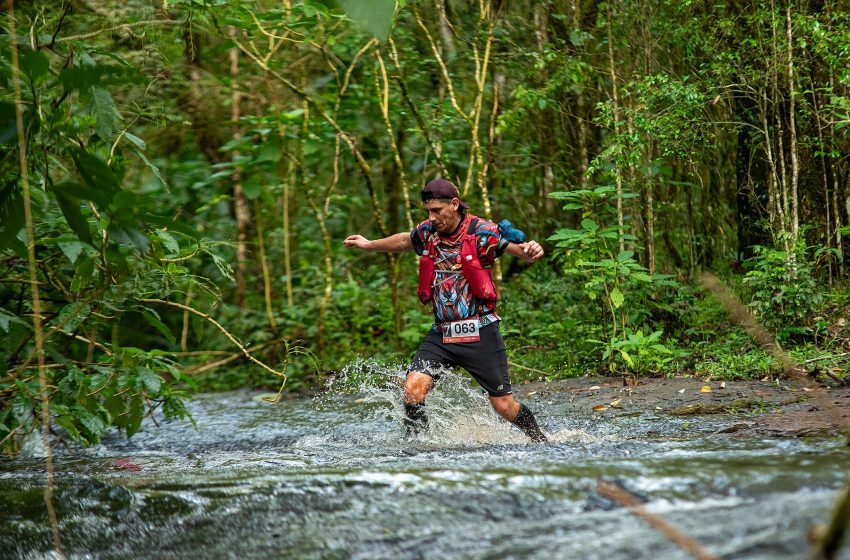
[(84, 192), (154, 169), (72, 316), (11, 214), (375, 16), (72, 249), (6, 318), (139, 143), (34, 64), (95, 173), (171, 246), (8, 122), (252, 186), (70, 206), (148, 381), (92, 424), (82, 77), (127, 233), (83, 273), (117, 408), (134, 418), (22, 406), (111, 54), (67, 423), (127, 219), (589, 224), (617, 298), (152, 317), (106, 113)]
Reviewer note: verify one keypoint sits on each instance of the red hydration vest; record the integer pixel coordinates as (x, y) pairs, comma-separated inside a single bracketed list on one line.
[(480, 279)]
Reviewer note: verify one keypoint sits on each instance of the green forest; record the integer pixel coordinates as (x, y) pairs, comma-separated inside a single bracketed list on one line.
[(178, 176)]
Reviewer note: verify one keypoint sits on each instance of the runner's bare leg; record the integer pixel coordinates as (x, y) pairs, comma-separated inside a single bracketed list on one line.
[(416, 388), (519, 415)]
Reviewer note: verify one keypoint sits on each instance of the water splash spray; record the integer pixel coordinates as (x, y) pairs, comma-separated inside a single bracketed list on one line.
[(459, 412)]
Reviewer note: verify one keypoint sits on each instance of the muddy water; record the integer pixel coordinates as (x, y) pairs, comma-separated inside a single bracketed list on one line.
[(335, 477)]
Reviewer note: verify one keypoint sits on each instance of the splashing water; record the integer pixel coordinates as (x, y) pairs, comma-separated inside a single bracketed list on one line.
[(459, 412)]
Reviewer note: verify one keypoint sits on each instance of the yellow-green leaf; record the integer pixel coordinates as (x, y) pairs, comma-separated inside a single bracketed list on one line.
[(617, 298)]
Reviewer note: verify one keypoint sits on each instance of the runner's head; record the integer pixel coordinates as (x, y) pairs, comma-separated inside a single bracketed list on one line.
[(443, 204)]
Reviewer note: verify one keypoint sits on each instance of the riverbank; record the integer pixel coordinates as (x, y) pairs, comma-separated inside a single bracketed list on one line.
[(752, 408)]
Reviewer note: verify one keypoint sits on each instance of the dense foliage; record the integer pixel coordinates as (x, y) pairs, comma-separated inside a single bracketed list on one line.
[(192, 167)]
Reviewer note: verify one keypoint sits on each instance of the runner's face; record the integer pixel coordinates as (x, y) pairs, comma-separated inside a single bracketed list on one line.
[(443, 214)]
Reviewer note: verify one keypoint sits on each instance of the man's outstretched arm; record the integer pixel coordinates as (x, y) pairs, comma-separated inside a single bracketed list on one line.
[(531, 251), (398, 243)]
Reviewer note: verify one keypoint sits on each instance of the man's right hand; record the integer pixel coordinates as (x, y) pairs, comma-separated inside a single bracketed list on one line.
[(357, 242)]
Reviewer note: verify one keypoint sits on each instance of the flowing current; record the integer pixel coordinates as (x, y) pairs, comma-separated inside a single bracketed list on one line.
[(336, 477)]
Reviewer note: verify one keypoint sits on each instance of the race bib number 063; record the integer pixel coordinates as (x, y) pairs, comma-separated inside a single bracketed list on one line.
[(461, 331)]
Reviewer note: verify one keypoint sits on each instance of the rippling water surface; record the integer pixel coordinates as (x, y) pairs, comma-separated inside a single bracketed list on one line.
[(335, 477)]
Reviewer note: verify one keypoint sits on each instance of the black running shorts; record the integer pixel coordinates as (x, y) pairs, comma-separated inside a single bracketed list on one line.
[(486, 360)]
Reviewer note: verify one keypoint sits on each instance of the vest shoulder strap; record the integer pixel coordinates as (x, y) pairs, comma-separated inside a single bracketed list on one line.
[(431, 240), (431, 243)]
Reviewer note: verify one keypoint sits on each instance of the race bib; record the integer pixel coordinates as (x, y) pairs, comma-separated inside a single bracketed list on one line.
[(461, 331)]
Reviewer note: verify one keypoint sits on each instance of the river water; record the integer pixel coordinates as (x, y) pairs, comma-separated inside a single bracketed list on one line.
[(335, 477)]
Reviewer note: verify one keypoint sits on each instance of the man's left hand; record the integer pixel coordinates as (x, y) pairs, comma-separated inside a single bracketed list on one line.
[(531, 251)]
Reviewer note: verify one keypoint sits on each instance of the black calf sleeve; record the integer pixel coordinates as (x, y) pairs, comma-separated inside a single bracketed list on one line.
[(415, 419), (526, 422)]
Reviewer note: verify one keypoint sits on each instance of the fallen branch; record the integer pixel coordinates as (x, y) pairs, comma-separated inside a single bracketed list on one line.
[(617, 493), (737, 311), (831, 540), (827, 539)]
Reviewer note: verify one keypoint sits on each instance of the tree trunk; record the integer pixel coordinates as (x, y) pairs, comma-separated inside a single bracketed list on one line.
[(650, 219), (745, 210), (580, 120), (446, 31), (287, 173), (692, 261), (320, 219), (824, 176), (618, 177), (184, 334), (267, 284), (240, 203), (795, 167), (205, 112), (784, 232), (775, 206)]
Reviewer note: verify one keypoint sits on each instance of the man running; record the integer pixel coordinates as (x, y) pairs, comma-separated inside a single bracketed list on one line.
[(457, 252)]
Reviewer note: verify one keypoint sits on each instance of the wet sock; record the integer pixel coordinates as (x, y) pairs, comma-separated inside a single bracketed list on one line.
[(526, 422), (415, 419)]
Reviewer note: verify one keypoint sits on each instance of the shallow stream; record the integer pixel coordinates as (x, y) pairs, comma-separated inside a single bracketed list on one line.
[(335, 477)]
